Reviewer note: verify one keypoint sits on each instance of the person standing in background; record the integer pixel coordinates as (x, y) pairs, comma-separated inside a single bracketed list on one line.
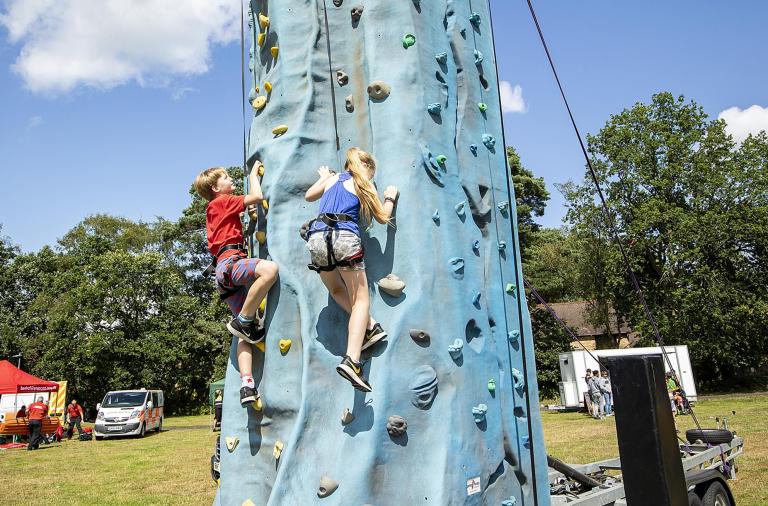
[(605, 388), (75, 415), (36, 412)]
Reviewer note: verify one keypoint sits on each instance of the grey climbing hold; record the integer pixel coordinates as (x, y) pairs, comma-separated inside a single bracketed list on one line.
[(473, 148), (342, 78), (463, 32), (478, 57), (392, 285), (482, 106), (349, 102), (491, 385), (433, 168), (338, 3), (475, 19), (423, 387), (510, 288), (456, 348), (434, 108), (476, 245), (457, 267), (489, 141), (441, 159), (476, 299), (231, 442), (502, 245), (478, 412), (517, 379), (327, 486), (396, 425), (347, 417), (436, 216), (418, 335), (459, 208), (409, 39), (512, 501), (379, 90), (502, 206), (441, 57), (513, 336), (357, 12), (526, 441)]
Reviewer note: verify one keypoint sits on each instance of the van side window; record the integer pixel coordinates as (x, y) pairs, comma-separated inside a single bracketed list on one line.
[(161, 398), (155, 404)]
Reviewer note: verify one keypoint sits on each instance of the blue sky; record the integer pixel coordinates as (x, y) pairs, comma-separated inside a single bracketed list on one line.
[(124, 129)]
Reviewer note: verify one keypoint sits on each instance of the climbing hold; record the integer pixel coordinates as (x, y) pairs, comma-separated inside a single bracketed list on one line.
[(473, 148), (256, 89), (478, 57), (456, 348), (274, 50), (475, 19), (260, 172), (379, 90), (476, 299), (396, 425), (261, 237), (457, 267), (262, 306), (459, 208), (259, 102), (260, 346), (502, 245), (285, 345), (327, 486), (441, 57), (408, 40), (434, 108), (265, 202), (510, 288), (357, 12), (492, 385), (526, 441), (478, 412), (257, 405), (502, 206), (262, 38), (517, 379), (512, 501), (436, 216), (513, 336), (489, 141), (349, 102), (277, 450), (341, 77), (392, 285), (248, 502), (231, 443), (423, 387), (263, 21), (441, 159), (337, 3), (267, 86), (463, 32), (253, 213), (279, 130), (482, 106), (418, 335), (347, 417), (476, 245)]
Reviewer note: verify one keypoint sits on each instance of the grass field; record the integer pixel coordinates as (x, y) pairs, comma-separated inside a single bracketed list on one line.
[(172, 468)]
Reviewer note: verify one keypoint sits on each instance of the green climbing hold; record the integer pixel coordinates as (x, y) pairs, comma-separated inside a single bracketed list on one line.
[(408, 40), (491, 385), (482, 106), (441, 159), (510, 288)]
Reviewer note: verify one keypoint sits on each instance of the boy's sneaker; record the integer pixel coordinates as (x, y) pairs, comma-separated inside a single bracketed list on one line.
[(249, 333), (353, 373), (373, 336), (247, 396)]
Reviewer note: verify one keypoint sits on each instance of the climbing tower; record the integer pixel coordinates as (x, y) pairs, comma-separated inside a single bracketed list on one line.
[(453, 416)]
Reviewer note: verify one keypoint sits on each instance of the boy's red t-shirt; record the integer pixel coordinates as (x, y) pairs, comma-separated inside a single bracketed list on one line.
[(222, 223), (74, 410), (37, 411)]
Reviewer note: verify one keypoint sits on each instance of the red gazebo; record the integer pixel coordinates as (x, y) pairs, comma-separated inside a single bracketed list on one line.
[(15, 381)]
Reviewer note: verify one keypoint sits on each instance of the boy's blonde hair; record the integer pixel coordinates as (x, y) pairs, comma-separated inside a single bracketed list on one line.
[(358, 164), (206, 180)]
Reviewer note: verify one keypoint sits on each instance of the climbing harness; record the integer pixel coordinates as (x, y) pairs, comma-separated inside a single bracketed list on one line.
[(227, 247), (332, 220)]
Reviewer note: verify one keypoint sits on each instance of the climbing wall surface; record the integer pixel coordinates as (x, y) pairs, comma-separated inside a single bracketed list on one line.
[(453, 416)]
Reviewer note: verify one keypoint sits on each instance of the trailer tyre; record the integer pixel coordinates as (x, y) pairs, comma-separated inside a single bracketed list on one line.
[(694, 500), (712, 436), (716, 495)]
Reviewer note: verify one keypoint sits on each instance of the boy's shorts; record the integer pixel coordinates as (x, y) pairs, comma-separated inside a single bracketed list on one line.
[(236, 271), (346, 246)]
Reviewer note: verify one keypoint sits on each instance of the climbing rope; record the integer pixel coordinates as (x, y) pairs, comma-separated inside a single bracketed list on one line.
[(330, 80)]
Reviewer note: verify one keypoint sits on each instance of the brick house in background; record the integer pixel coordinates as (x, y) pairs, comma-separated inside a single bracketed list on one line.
[(576, 315)]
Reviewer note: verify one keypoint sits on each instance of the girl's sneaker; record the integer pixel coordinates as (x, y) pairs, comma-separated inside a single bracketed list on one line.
[(249, 333), (373, 336), (353, 372), (247, 396)]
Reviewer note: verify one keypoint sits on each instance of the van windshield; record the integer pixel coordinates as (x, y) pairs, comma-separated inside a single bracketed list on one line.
[(124, 399)]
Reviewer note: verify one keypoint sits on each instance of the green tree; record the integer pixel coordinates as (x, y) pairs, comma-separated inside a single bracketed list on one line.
[(531, 198)]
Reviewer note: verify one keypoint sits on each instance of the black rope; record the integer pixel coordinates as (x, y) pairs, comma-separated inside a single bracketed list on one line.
[(330, 76), (606, 212)]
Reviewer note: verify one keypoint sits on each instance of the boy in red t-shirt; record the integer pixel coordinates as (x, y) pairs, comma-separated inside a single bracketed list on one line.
[(242, 282)]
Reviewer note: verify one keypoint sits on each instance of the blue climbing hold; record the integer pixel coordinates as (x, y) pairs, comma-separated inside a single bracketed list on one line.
[(513, 336), (434, 108), (475, 19), (463, 32), (476, 299), (456, 348), (502, 245), (441, 57), (457, 267), (476, 245), (478, 412), (459, 208), (473, 148), (517, 379), (510, 289), (478, 57), (502, 206), (512, 501), (489, 141), (436, 216)]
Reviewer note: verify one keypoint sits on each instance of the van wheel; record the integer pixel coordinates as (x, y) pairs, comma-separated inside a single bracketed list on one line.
[(143, 429), (98, 438), (160, 426), (716, 495)]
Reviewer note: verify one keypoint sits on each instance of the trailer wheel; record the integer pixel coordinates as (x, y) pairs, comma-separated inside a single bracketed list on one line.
[(712, 436), (716, 495), (694, 500)]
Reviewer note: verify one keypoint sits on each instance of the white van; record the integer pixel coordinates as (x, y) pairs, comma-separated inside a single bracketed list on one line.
[(129, 413)]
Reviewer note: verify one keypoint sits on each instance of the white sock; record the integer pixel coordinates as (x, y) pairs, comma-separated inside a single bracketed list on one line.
[(247, 381)]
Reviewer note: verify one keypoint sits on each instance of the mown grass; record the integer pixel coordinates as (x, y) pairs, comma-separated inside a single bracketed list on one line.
[(172, 468)]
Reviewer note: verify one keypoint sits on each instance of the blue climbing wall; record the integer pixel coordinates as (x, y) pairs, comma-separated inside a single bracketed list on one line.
[(462, 270)]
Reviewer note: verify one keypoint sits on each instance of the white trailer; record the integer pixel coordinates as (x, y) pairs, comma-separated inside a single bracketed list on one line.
[(574, 365)]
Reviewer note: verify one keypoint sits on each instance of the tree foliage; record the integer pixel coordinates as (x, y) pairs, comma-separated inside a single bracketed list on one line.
[(531, 198)]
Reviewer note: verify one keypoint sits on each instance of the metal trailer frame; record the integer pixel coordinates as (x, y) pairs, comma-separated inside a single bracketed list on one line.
[(695, 458)]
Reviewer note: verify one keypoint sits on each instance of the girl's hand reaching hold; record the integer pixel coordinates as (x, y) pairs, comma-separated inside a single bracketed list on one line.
[(325, 172), (391, 193)]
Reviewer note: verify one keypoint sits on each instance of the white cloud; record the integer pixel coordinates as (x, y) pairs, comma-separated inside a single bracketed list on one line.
[(106, 43), (512, 98), (741, 123)]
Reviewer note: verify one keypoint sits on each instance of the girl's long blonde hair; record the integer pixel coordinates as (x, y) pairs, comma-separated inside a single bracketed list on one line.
[(358, 164)]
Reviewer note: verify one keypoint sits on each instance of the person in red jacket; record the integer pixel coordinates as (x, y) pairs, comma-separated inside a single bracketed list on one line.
[(75, 414), (36, 412)]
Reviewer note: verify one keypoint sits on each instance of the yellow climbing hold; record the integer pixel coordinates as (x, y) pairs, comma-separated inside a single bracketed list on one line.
[(259, 102), (261, 237), (265, 204), (261, 39), (261, 171), (248, 502), (231, 442), (263, 21), (278, 449), (285, 345), (274, 50), (253, 214), (257, 404), (262, 306), (260, 346), (267, 86), (280, 130)]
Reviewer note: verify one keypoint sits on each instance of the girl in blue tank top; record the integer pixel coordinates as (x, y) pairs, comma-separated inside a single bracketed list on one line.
[(337, 251)]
